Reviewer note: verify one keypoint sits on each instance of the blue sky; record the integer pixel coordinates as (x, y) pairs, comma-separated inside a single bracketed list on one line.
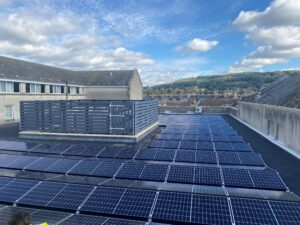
[(165, 39)]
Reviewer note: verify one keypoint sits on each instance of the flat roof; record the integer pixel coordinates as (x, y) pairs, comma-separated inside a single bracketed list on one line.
[(207, 169)]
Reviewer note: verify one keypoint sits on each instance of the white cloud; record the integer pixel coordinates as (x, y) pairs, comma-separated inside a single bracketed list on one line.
[(63, 39), (198, 45), (276, 31)]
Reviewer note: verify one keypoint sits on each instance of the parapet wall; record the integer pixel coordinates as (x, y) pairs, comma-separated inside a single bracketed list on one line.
[(278, 123)]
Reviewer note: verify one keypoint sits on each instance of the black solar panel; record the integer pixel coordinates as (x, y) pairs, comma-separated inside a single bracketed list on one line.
[(136, 203), (15, 189), (210, 210), (5, 180), (237, 178), (206, 157), (171, 144), (223, 146), (22, 162), (7, 159), (205, 146), (164, 155), (57, 149), (251, 159), (235, 139), (106, 169), (146, 154), (91, 151), (190, 137), (241, 147), (188, 145), (107, 196), (75, 150), (207, 175), (171, 206), (286, 212), (156, 144), (154, 172), (62, 165), (185, 156), (116, 221), (70, 197), (85, 167), (229, 158), (127, 153), (108, 153), (43, 148), (267, 179), (131, 170), (220, 138), (204, 137), (175, 137), (42, 194), (162, 136), (17, 145), (251, 212), (181, 174), (42, 164)]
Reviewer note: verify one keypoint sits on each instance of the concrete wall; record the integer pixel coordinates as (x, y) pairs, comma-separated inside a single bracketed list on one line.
[(107, 93), (279, 123), (136, 87), (15, 98)]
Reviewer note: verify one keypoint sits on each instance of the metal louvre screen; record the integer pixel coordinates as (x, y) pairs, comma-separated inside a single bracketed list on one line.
[(88, 116)]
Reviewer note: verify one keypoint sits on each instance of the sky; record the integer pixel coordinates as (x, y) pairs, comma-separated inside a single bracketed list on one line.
[(165, 40)]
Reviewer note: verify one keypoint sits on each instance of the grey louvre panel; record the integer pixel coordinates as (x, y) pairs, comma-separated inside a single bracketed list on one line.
[(88, 116)]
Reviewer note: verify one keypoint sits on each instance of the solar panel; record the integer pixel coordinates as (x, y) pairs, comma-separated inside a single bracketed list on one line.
[(223, 146), (208, 209), (57, 149), (7, 159), (205, 146), (136, 203), (172, 206), (126, 153), (42, 148), (237, 178), (21, 162), (229, 158), (17, 145), (190, 137), (164, 155), (175, 137), (219, 138), (181, 174), (131, 170), (185, 156), (107, 196), (154, 172), (91, 151), (171, 144), (267, 179), (62, 165), (204, 137), (15, 189), (241, 147), (42, 164), (156, 144), (286, 212), (85, 167), (75, 150), (251, 159), (235, 139), (108, 153), (106, 169), (70, 197), (4, 181), (207, 175), (84, 219), (252, 211), (162, 136), (206, 157), (116, 221), (42, 194), (146, 154), (188, 145)]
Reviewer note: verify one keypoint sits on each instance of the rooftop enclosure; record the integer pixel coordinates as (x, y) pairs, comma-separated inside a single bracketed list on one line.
[(88, 116)]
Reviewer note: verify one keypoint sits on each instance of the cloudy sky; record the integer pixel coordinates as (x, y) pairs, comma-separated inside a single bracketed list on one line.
[(165, 39)]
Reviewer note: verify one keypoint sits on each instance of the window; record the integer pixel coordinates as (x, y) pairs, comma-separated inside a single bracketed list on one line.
[(16, 87), (72, 90), (77, 90), (9, 112), (55, 89), (34, 88), (6, 87)]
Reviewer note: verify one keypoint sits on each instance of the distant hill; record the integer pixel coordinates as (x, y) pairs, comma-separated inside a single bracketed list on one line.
[(251, 80)]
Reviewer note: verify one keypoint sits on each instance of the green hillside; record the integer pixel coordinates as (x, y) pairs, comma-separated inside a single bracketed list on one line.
[(251, 80)]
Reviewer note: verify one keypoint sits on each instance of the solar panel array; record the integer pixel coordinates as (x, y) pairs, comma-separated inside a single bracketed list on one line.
[(196, 170)]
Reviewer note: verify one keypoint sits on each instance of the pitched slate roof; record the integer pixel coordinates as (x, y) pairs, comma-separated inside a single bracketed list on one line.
[(16, 69)]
